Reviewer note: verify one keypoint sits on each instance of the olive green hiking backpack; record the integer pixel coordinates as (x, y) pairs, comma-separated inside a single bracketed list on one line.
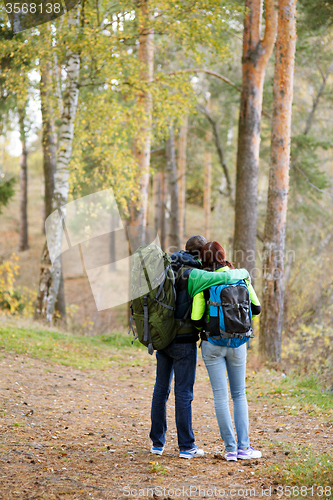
[(153, 298)]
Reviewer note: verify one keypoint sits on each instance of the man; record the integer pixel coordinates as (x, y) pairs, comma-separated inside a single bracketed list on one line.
[(180, 356)]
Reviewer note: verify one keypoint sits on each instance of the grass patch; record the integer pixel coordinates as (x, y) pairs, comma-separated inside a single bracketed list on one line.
[(291, 394), (98, 352), (304, 468)]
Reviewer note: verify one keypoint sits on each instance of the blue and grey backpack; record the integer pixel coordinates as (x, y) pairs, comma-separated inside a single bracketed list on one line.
[(230, 316)]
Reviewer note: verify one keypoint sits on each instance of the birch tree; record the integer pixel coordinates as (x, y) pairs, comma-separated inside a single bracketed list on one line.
[(51, 275), (271, 323), (256, 53)]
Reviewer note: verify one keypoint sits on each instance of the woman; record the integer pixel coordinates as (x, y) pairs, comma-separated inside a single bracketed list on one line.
[(218, 359)]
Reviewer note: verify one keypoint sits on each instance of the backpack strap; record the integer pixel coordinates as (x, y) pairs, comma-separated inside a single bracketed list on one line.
[(147, 336), (161, 289)]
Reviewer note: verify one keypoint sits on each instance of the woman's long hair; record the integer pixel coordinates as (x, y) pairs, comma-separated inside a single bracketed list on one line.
[(212, 256)]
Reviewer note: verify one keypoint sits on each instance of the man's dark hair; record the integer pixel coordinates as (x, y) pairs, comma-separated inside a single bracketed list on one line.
[(195, 244)]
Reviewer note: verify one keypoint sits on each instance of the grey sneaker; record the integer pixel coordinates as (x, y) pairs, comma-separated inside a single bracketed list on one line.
[(249, 453), (231, 456), (193, 453), (156, 451)]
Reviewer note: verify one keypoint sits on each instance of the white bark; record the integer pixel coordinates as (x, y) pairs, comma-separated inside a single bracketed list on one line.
[(61, 184)]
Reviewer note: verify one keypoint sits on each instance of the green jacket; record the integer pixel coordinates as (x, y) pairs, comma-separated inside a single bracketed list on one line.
[(199, 280), (199, 306)]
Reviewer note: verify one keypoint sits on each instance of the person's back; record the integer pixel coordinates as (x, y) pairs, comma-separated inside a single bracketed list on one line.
[(179, 358), (182, 264)]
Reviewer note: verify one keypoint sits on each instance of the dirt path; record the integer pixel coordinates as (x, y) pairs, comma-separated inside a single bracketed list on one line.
[(72, 434)]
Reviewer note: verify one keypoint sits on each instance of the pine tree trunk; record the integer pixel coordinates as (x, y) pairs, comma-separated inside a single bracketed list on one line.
[(182, 176), (174, 240), (256, 53), (48, 289), (163, 212), (271, 323), (207, 185), (23, 226), (139, 208), (157, 200)]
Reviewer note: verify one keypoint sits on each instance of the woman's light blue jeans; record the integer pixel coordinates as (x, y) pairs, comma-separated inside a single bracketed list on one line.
[(219, 361)]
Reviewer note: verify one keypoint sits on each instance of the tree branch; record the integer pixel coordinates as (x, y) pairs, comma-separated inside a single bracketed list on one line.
[(212, 73), (220, 150), (268, 41), (317, 99), (207, 71)]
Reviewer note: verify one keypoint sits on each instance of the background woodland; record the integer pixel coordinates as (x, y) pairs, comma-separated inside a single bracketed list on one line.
[(168, 105)]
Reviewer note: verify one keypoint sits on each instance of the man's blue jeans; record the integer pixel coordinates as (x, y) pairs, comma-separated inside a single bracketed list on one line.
[(181, 360), (219, 361)]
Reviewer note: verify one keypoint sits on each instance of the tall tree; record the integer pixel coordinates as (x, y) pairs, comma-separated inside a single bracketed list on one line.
[(139, 208), (50, 277), (256, 53), (174, 240), (207, 185), (271, 323), (48, 139), (182, 175), (23, 225)]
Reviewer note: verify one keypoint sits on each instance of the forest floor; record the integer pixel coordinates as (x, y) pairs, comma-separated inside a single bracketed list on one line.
[(77, 430)]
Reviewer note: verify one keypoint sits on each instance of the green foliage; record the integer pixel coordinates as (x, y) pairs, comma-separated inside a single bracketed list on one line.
[(7, 191), (316, 12), (305, 166)]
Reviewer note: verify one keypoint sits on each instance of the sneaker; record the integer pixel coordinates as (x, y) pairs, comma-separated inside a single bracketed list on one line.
[(193, 453), (156, 451), (249, 453), (231, 456)]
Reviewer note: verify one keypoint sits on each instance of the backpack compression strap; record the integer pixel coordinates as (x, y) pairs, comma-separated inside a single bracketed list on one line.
[(147, 336)]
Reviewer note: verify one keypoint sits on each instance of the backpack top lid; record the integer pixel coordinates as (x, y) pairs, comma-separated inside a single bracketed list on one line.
[(182, 258), (148, 269)]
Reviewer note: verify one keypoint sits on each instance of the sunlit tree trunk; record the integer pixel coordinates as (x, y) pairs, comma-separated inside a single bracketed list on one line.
[(174, 240), (48, 288), (23, 224), (182, 176), (271, 323), (256, 53), (139, 208), (207, 185)]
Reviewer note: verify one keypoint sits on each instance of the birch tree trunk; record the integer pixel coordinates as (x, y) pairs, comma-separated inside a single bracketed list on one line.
[(23, 225), (174, 240), (139, 208), (256, 53), (51, 274), (182, 176), (207, 185), (271, 323)]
